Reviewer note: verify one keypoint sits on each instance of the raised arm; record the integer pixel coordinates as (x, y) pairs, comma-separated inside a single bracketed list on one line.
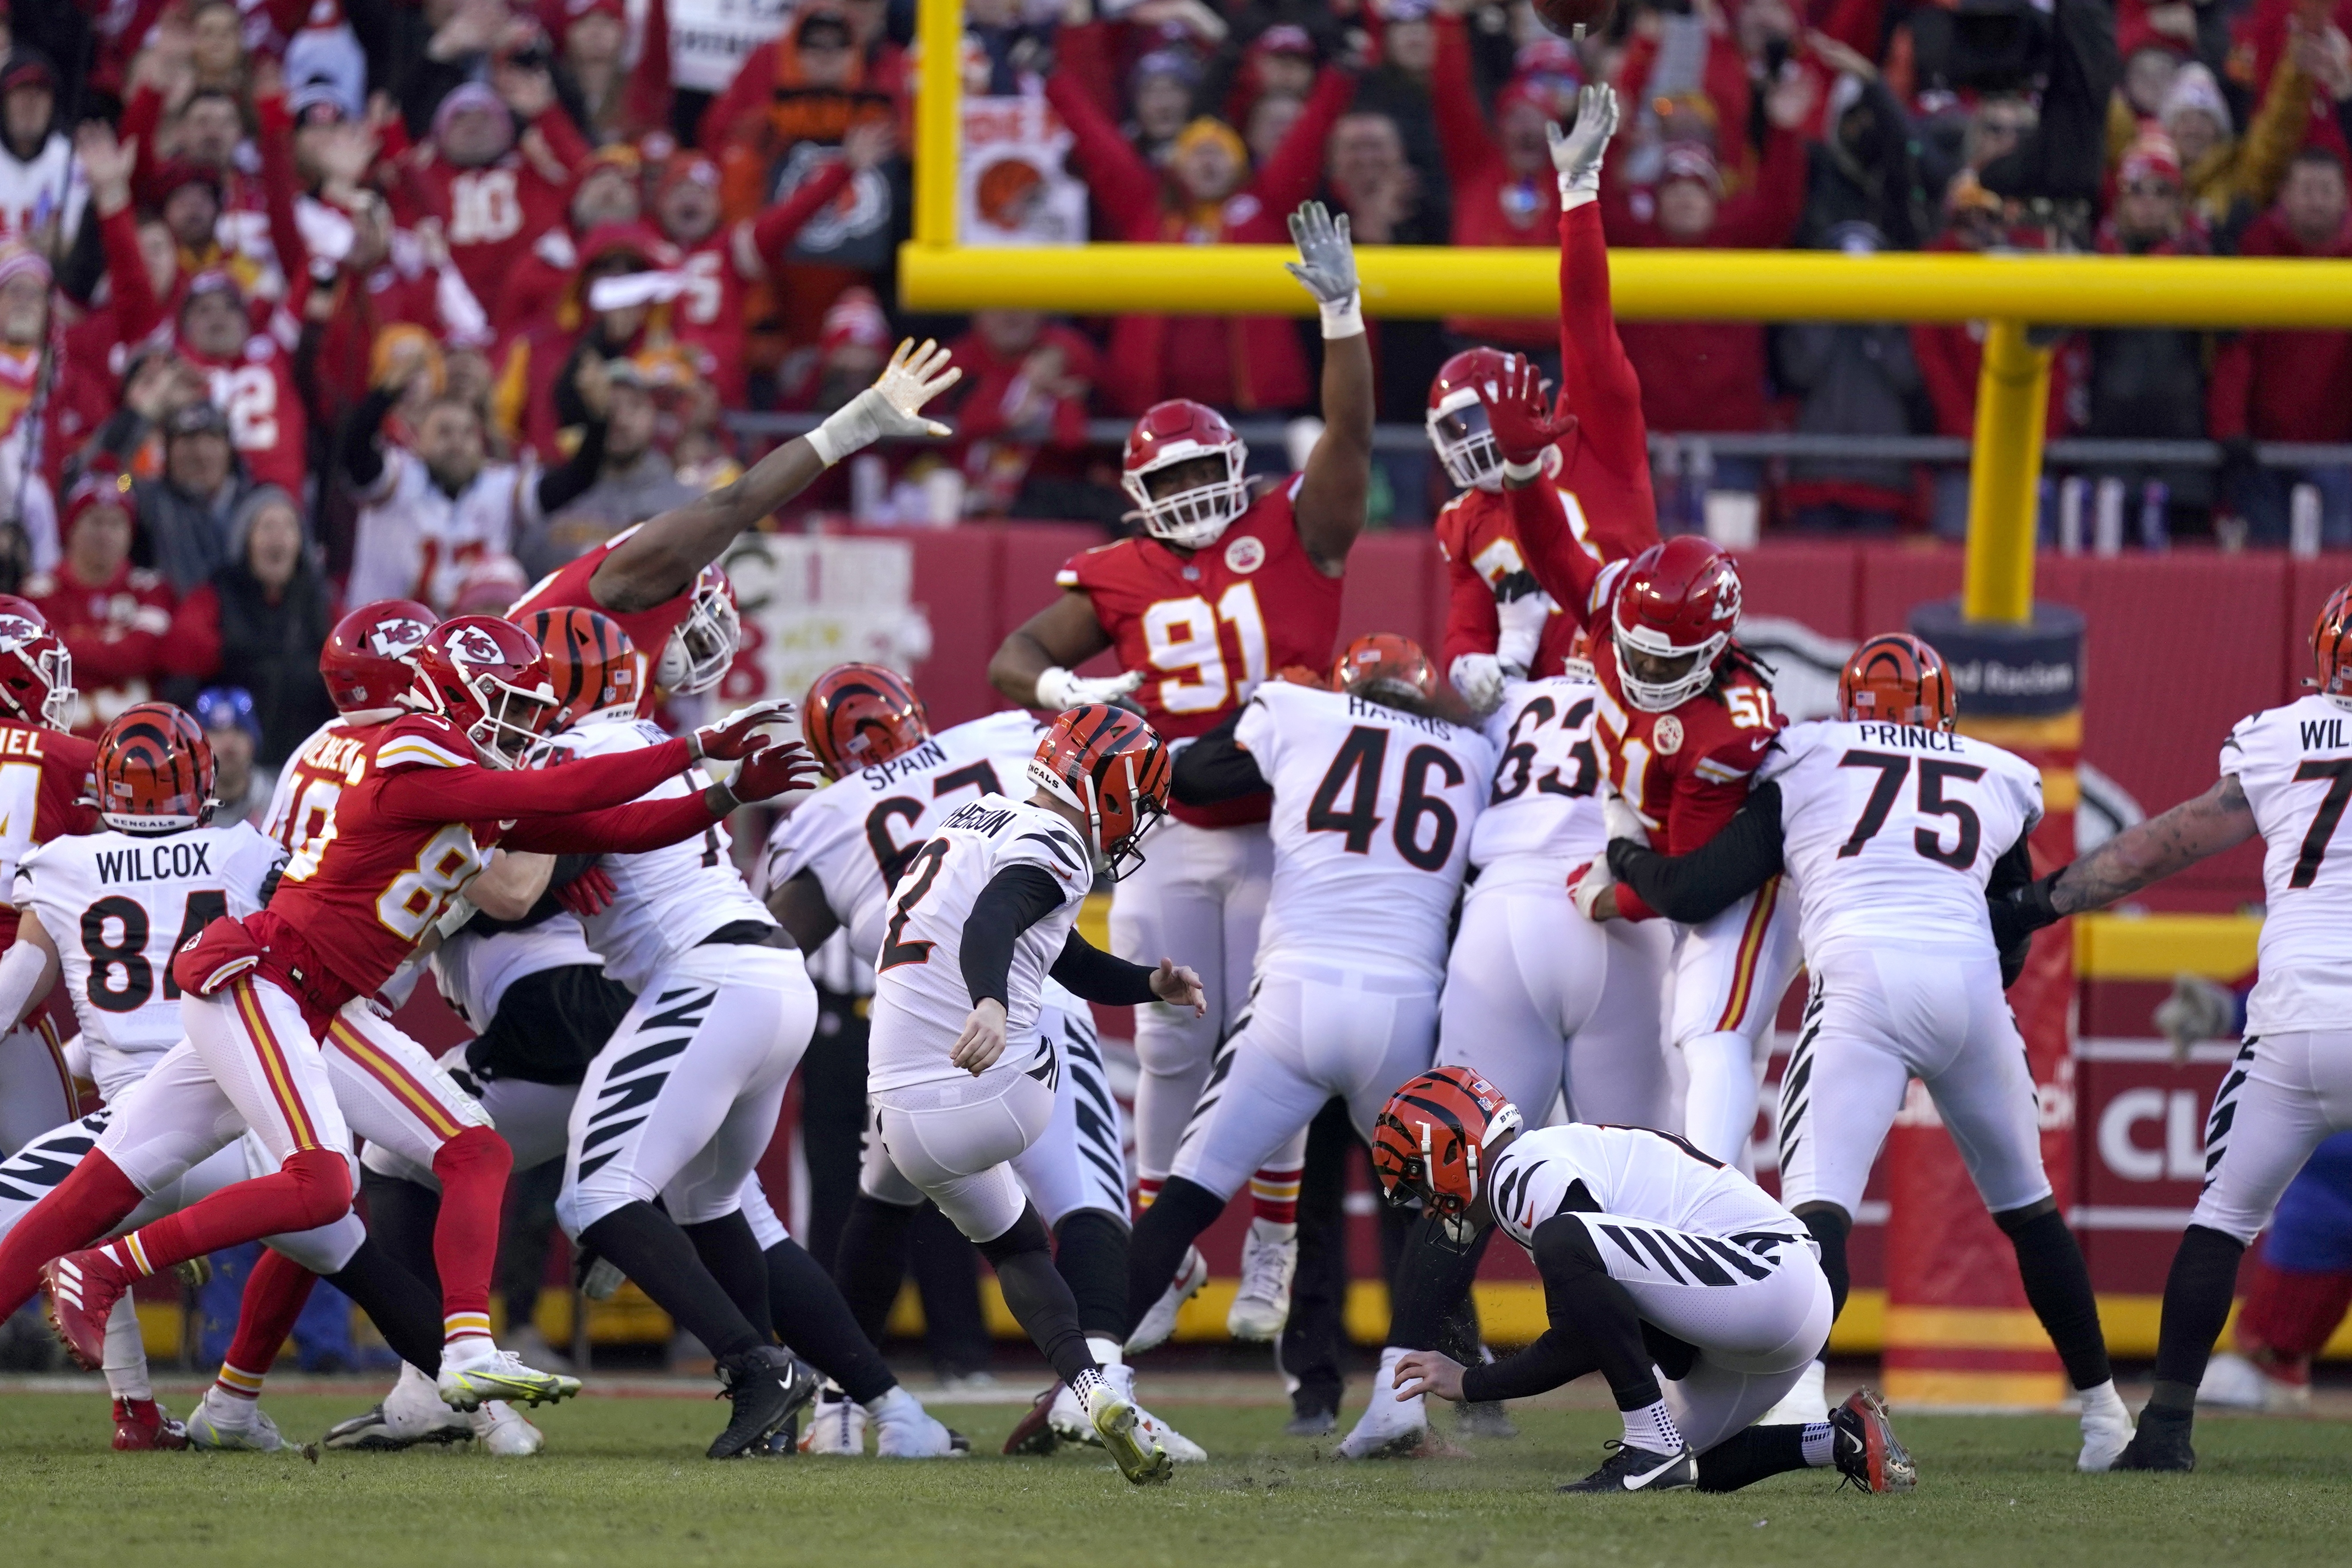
[(657, 562), (1464, 140), (1117, 177), (1337, 484), (1596, 380), (1525, 423), (1296, 168)]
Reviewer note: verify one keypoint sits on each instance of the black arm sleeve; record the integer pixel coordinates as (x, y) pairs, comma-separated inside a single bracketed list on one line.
[(1690, 888), (1215, 767), (1101, 977), (558, 486), (2018, 904), (362, 461), (1014, 899), (1552, 1360)]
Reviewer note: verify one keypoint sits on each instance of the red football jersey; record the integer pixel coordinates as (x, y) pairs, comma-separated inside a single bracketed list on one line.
[(44, 777), (491, 215), (709, 317), (1210, 628), (265, 422), (1481, 548), (303, 808), (649, 630)]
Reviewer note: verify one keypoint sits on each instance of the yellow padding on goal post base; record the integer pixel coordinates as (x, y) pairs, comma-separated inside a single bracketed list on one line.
[(2158, 946)]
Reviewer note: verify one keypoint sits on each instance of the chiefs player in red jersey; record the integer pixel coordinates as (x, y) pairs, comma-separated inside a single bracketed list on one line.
[(659, 582), (43, 774), (408, 831), (1498, 624), (1216, 594)]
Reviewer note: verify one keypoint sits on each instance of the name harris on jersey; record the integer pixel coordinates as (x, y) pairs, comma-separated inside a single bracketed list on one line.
[(1911, 737), (1361, 707)]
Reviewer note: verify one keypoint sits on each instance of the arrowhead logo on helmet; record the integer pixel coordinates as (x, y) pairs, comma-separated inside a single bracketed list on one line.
[(1676, 607), (35, 669), (488, 678), (369, 659)]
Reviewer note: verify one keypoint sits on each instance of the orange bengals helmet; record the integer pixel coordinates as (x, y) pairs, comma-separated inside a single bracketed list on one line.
[(1429, 1142), (1385, 659), (596, 671), (2331, 646), (856, 715), (154, 771), (1111, 765), (1895, 678)]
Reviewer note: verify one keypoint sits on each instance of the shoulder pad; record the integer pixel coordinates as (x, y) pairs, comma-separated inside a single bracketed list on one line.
[(422, 740)]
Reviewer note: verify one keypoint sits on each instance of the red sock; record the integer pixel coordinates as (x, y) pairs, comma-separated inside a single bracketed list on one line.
[(2289, 1314), (92, 1200), (313, 1188), (1147, 1188), (1274, 1195), (473, 1168), (274, 1295)]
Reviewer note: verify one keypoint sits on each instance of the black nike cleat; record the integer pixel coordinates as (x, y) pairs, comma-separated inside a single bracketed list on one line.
[(2160, 1442), (768, 1388), (1639, 1470), (1864, 1446)]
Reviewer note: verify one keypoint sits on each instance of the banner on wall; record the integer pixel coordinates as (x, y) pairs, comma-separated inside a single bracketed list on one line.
[(1013, 187), (810, 602)]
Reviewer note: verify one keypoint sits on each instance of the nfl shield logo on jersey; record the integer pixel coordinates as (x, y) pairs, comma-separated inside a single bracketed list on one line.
[(1669, 734), (1245, 554)]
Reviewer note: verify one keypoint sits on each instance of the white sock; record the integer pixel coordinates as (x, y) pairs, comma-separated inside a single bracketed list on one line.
[(1821, 1444), (1106, 1352), (894, 1403), (1653, 1428), (2102, 1397), (126, 1353)]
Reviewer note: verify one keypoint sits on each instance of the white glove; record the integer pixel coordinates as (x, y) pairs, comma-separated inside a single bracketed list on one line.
[(893, 405), (1326, 269), (1059, 690), (1479, 678), (1586, 883), (1521, 622), (1624, 822), (1577, 155)]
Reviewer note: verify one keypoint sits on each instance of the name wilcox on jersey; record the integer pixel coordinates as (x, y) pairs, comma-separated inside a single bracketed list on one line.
[(153, 863)]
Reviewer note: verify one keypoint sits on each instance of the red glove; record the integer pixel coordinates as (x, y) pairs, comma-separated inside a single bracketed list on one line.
[(737, 736), (1523, 419), (589, 893), (774, 770)]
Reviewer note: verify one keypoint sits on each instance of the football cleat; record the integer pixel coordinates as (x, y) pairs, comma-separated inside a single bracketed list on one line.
[(1863, 1447), (2234, 1381), (1140, 1460), (222, 1423), (1389, 1427), (1311, 1424), (502, 1431), (2106, 1429), (470, 1375), (410, 1414), (1160, 1320), (81, 1288), (1040, 1431), (904, 1430), (768, 1388), (837, 1426), (1806, 1402), (141, 1425), (2161, 1443), (1179, 1448), (1262, 1305), (1629, 1469)]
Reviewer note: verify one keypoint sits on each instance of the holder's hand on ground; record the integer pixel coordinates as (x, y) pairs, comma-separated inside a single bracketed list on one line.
[(1179, 988), (983, 1040), (1420, 1372)]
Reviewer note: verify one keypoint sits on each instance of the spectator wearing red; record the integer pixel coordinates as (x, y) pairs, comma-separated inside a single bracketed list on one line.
[(259, 622), (535, 398), (1501, 173), (252, 378), (874, 64), (27, 333), (1208, 195), (607, 189), (390, 278), (493, 193), (208, 139), (1706, 375), (112, 616), (1020, 420), (613, 100), (2290, 386)]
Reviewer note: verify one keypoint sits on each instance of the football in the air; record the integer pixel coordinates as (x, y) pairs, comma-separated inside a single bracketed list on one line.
[(1572, 18)]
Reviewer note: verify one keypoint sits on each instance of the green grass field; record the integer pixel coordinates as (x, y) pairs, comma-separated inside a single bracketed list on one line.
[(622, 1481)]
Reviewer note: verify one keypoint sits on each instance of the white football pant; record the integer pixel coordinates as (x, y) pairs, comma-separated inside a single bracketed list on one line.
[(2283, 1094), (1729, 974), (956, 1139)]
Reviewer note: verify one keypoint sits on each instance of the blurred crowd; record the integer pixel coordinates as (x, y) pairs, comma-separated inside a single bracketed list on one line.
[(310, 301)]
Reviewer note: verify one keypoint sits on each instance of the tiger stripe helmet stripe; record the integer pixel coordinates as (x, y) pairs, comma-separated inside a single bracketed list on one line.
[(1895, 678), (1429, 1143), (859, 716), (153, 770), (596, 670), (2331, 645)]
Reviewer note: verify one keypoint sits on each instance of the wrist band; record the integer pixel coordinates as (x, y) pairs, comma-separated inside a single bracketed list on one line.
[(1344, 318), (1520, 473), (1574, 195)]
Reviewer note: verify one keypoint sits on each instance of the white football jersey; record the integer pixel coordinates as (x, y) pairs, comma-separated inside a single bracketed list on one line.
[(118, 905), (845, 832), (1890, 830), (1544, 800), (1634, 1173), (666, 901), (474, 969), (2294, 763), (920, 997), (1373, 810)]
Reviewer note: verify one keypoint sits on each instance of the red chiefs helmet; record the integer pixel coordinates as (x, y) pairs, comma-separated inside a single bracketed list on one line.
[(36, 670), (488, 678), (155, 770), (1458, 426), (1385, 659), (699, 653), (1431, 1140), (1895, 678), (370, 656), (1111, 765), (1679, 600), (2331, 646), (596, 671), (1181, 432), (856, 715)]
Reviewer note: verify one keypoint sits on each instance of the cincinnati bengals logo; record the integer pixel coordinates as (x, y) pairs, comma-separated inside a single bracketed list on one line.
[(1667, 736), (1245, 555), (476, 646), (399, 639)]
